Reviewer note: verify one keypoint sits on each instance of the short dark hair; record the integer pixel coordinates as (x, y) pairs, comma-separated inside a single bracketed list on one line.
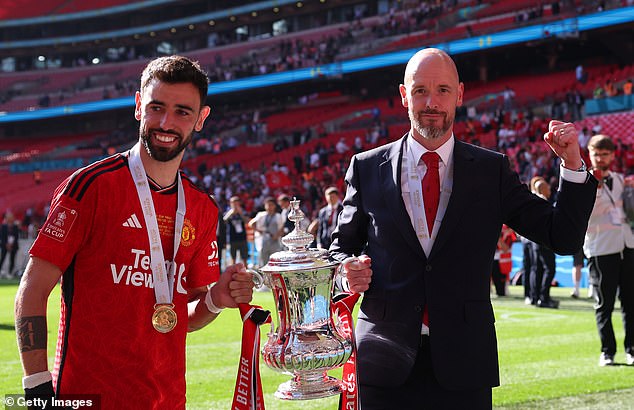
[(331, 190), (601, 141), (174, 70)]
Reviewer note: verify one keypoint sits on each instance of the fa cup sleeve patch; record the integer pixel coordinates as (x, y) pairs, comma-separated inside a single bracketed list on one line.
[(59, 223)]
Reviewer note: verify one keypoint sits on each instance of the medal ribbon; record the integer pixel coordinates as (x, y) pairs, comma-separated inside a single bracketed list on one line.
[(162, 281), (248, 392), (410, 168), (349, 399)]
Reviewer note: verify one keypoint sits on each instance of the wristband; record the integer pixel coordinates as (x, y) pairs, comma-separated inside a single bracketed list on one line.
[(34, 380), (210, 303), (40, 397)]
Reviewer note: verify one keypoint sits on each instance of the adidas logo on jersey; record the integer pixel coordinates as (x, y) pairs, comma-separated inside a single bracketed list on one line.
[(132, 222)]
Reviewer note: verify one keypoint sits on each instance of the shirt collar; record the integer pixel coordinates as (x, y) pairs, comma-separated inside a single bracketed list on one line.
[(445, 150)]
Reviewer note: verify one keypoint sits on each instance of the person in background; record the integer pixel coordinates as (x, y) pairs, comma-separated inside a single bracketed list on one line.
[(268, 229), (609, 247), (543, 262), (627, 87), (284, 202), (236, 222), (328, 217), (9, 242), (577, 266), (503, 261)]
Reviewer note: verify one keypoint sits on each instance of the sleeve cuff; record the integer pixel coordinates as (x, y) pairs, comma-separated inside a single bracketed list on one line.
[(34, 380), (578, 177)]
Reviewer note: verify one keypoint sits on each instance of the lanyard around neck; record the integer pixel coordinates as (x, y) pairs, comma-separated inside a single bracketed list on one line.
[(410, 170), (162, 280)]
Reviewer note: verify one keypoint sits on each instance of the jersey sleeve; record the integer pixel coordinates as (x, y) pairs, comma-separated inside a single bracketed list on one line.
[(66, 228), (205, 264)]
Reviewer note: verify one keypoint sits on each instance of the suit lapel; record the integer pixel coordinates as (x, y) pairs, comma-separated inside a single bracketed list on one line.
[(463, 163), (390, 177)]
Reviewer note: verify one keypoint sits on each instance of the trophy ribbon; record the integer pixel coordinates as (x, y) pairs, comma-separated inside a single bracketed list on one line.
[(248, 392), (349, 399)]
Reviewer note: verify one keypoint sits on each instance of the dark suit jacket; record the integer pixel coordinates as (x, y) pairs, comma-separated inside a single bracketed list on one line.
[(453, 281), (5, 232), (323, 231)]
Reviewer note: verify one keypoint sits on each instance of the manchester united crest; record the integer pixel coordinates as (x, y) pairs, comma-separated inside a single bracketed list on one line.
[(189, 233)]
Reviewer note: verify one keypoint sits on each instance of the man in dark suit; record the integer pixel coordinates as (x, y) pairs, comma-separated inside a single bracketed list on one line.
[(9, 242), (426, 333), (328, 217)]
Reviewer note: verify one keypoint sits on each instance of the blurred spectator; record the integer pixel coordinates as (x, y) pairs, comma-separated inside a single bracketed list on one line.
[(284, 202), (236, 226), (357, 147), (584, 137), (627, 87), (581, 75), (37, 176), (598, 92), (328, 216), (508, 96), (542, 263), (9, 242), (503, 262), (577, 266), (341, 147), (268, 229), (575, 102), (609, 89)]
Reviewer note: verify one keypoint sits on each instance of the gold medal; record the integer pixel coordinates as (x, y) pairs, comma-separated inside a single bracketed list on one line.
[(164, 318)]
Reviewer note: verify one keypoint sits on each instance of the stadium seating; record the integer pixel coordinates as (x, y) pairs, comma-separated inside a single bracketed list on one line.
[(33, 85), (17, 9), (350, 118)]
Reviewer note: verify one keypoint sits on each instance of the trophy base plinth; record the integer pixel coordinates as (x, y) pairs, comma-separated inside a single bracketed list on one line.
[(315, 385)]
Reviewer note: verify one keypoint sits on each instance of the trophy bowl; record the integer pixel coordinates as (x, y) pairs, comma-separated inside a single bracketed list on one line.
[(306, 342)]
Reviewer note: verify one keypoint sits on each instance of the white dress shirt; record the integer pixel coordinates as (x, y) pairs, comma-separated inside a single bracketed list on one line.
[(608, 230)]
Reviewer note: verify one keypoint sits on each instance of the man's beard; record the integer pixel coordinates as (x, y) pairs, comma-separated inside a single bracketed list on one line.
[(430, 132), (161, 153)]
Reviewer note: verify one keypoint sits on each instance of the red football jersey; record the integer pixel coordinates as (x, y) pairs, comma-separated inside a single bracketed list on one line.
[(96, 234)]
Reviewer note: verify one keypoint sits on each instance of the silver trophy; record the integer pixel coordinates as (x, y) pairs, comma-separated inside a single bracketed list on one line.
[(307, 342)]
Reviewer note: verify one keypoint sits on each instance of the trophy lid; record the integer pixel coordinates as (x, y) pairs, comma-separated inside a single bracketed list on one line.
[(298, 256)]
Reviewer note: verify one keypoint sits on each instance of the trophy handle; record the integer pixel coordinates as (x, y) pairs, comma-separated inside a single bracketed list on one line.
[(258, 278), (340, 271), (259, 283)]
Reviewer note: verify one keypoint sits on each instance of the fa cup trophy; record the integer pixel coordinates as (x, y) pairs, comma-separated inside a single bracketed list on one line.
[(307, 342)]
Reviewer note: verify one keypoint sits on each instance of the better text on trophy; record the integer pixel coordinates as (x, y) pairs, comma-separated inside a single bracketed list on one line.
[(307, 342)]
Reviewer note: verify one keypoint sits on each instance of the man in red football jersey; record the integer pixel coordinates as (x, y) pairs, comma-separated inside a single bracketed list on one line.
[(134, 243)]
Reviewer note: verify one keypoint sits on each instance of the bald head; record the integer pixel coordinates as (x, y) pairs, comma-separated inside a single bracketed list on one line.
[(431, 91), (428, 56)]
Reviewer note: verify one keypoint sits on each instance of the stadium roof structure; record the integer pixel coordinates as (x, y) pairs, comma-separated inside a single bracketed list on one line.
[(557, 29)]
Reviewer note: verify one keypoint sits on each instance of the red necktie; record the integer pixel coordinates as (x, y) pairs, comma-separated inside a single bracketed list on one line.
[(431, 195), (431, 188)]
